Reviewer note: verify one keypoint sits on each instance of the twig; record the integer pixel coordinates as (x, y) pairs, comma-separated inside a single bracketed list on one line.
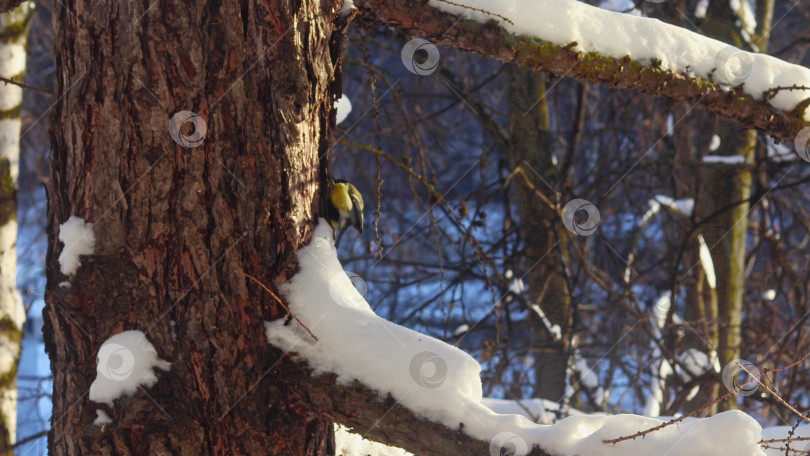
[(774, 393), (793, 364), (480, 10), (278, 300), (519, 170), (676, 420), (773, 91), (428, 186), (25, 86), (30, 438), (799, 452), (792, 439)]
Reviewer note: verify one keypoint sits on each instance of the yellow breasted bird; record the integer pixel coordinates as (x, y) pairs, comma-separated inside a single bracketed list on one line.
[(345, 208)]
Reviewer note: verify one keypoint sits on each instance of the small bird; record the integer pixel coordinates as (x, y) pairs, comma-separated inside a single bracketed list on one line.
[(345, 208)]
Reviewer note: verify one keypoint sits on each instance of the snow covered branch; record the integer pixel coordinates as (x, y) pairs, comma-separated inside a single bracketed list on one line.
[(576, 40), (396, 385), (387, 420)]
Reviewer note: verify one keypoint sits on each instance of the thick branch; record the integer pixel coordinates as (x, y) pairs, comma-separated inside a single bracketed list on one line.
[(383, 419), (417, 18)]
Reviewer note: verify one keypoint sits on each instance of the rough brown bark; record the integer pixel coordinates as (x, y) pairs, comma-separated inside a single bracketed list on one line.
[(417, 18), (174, 225)]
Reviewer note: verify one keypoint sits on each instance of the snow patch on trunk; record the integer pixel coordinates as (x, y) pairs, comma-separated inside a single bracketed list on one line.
[(125, 363), (79, 239)]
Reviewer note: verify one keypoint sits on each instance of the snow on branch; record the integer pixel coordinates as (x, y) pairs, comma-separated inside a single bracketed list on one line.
[(573, 39), (395, 384)]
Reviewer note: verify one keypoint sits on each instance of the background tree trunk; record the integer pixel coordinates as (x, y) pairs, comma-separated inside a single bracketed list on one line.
[(175, 225), (13, 42), (531, 153), (726, 230)]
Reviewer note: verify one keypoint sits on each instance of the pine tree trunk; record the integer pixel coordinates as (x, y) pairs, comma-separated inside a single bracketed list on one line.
[(176, 224), (13, 38)]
